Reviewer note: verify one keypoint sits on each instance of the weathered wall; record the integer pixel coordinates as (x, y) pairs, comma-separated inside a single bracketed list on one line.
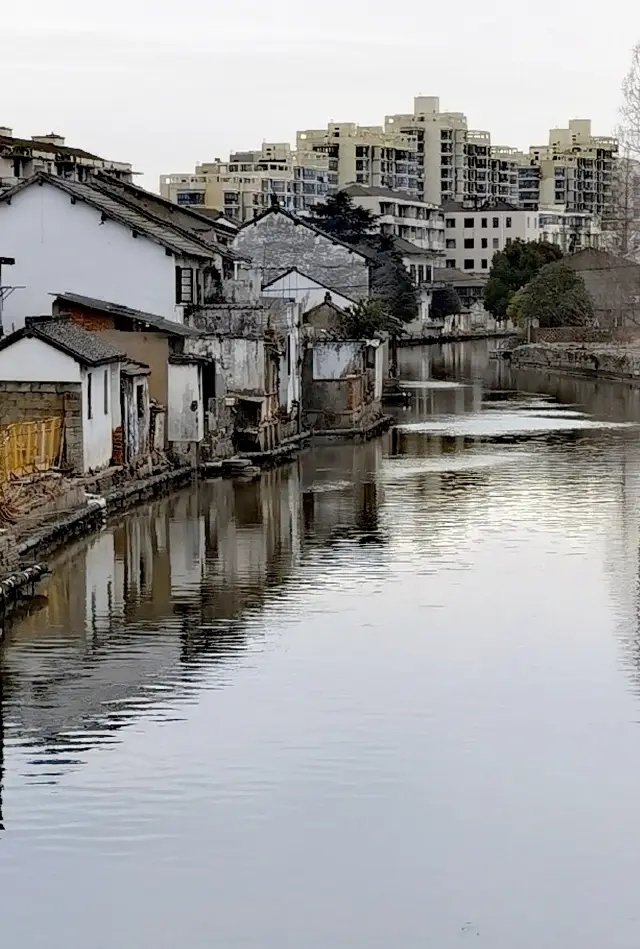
[(9, 559), (136, 425), (276, 243), (338, 403), (241, 361), (32, 360), (32, 402), (62, 246), (304, 290), (337, 358), (615, 362), (184, 423), (97, 431), (584, 334)]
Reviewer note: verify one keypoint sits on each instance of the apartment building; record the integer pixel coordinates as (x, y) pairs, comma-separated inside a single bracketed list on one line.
[(365, 155), (575, 170), (20, 158), (400, 215), (474, 235), (249, 182), (572, 231)]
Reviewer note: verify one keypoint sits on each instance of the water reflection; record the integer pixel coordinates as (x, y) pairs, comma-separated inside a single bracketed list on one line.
[(387, 694)]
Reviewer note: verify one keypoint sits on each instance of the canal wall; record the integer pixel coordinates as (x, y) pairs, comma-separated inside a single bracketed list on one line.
[(596, 360)]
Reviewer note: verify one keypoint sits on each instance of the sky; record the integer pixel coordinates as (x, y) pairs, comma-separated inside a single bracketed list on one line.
[(166, 85)]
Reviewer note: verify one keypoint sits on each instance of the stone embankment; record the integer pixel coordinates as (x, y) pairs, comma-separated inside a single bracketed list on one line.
[(598, 360)]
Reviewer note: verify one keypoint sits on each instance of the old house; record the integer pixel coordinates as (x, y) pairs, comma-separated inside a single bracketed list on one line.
[(307, 292), (342, 379), (613, 284), (256, 351), (52, 369), (177, 376), (277, 241), (108, 240)]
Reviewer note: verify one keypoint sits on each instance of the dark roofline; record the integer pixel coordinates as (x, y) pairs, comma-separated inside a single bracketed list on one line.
[(150, 320), (41, 178), (30, 331), (370, 191), (204, 218), (299, 220)]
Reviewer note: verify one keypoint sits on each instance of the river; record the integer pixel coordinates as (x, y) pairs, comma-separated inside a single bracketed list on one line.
[(388, 695)]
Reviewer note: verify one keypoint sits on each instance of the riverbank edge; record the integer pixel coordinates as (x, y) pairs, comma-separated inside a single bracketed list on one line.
[(594, 361), (451, 338)]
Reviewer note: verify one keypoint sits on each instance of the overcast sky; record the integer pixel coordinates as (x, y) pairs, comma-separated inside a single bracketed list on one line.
[(165, 85)]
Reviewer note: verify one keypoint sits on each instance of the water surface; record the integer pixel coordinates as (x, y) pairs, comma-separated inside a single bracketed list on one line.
[(386, 696)]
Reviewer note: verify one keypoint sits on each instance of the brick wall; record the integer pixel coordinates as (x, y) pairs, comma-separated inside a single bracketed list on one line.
[(34, 401)]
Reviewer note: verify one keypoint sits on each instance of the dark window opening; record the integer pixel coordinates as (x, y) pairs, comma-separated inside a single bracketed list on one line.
[(140, 400), (105, 391), (469, 243), (89, 396)]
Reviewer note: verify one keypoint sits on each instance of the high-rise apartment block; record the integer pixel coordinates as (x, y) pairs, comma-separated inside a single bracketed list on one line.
[(575, 170), (249, 182), (429, 155), (366, 155)]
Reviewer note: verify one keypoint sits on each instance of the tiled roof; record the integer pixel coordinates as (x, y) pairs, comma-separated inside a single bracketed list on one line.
[(136, 316), (360, 250), (366, 191), (24, 144), (112, 206), (89, 349)]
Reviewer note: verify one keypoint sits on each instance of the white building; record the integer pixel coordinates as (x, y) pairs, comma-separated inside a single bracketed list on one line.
[(307, 292), (20, 158), (571, 231), (474, 235), (100, 241), (76, 374), (401, 215)]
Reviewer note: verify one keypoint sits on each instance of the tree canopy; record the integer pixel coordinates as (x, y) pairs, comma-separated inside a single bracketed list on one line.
[(557, 296), (514, 267), (391, 282), (445, 302), (341, 218), (366, 318)]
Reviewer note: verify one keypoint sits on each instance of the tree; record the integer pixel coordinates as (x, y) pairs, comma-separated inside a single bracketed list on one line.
[(514, 310), (341, 218), (557, 296), (621, 220), (365, 319), (514, 267), (391, 282), (445, 302)]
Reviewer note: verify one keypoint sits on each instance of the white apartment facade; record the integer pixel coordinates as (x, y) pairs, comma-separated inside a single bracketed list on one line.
[(249, 182), (571, 231), (400, 215), (473, 236), (20, 158), (366, 155)]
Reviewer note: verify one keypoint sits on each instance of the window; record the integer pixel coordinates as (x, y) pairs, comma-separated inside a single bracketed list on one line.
[(190, 197), (508, 222), (468, 264), (184, 285), (468, 222), (496, 243), (508, 241), (105, 391), (140, 400), (451, 243), (483, 264), (485, 222), (484, 242), (421, 273), (450, 263), (451, 222), (468, 243), (89, 395), (414, 273), (496, 222)]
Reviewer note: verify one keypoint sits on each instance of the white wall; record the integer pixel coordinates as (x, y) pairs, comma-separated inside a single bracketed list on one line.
[(185, 425), (97, 431), (59, 246), (333, 360), (524, 227), (304, 290), (32, 360), (380, 360)]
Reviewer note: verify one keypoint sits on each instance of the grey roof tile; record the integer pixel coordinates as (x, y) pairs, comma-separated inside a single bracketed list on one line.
[(88, 348), (169, 327)]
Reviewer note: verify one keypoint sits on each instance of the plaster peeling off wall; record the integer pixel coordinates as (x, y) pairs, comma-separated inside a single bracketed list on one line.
[(334, 360), (185, 410)]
